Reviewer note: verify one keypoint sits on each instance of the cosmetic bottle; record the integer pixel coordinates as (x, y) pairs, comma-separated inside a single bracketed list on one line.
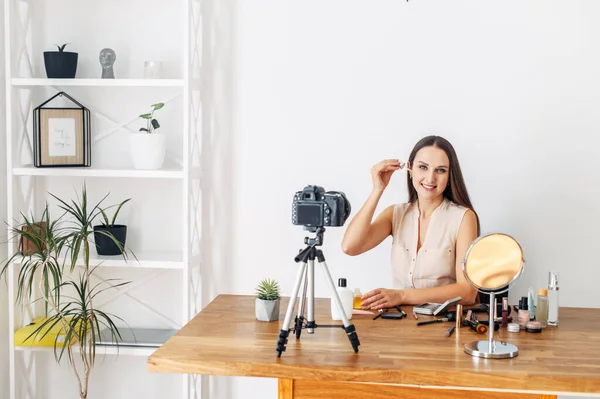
[(523, 315), (346, 297), (532, 309), (553, 299), (505, 312), (357, 299), (541, 314)]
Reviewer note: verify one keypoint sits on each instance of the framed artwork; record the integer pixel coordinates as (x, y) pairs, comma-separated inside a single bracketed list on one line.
[(61, 135)]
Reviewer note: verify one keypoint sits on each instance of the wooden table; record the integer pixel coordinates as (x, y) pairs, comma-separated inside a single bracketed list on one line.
[(395, 359)]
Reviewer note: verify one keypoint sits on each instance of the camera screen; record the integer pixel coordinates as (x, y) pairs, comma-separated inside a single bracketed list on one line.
[(310, 214)]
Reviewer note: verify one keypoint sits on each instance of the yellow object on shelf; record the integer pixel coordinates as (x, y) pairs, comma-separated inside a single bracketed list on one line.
[(39, 339)]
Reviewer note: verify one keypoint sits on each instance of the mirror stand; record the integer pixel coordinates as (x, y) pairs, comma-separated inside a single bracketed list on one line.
[(491, 349)]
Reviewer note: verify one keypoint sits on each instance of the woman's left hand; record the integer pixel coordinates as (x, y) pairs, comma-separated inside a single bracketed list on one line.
[(381, 298)]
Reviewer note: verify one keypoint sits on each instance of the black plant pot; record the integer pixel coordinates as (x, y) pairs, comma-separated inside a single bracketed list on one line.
[(60, 65), (105, 245)]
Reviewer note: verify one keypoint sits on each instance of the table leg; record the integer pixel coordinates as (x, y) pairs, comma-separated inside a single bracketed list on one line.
[(285, 388)]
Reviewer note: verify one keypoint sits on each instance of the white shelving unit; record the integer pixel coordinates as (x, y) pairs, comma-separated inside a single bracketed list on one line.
[(26, 184), (26, 82), (165, 173)]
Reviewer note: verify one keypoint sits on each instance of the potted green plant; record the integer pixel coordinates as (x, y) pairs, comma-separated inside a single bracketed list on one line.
[(60, 64), (268, 298), (110, 237), (46, 274), (148, 148)]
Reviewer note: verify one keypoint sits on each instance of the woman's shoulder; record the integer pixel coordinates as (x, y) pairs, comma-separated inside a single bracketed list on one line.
[(399, 211), (458, 212), (402, 208), (454, 207)]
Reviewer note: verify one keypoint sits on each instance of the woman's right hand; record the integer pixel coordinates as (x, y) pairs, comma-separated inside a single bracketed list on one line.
[(381, 173)]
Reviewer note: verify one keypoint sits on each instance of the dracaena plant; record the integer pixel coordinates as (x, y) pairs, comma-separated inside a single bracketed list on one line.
[(108, 222), (152, 123), (57, 247)]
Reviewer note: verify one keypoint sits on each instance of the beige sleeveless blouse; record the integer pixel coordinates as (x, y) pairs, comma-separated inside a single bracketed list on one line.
[(435, 263)]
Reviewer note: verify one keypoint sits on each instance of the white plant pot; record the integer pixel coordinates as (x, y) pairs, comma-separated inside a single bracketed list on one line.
[(267, 310), (147, 150)]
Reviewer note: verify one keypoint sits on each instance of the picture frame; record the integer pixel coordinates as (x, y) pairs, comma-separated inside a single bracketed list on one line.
[(61, 136)]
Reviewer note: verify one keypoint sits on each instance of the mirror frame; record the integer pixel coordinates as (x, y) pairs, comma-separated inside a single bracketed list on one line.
[(503, 288)]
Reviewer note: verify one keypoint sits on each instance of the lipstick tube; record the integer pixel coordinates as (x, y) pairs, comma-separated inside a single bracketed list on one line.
[(505, 312)]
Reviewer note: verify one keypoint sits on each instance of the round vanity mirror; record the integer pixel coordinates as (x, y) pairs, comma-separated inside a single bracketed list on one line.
[(492, 263)]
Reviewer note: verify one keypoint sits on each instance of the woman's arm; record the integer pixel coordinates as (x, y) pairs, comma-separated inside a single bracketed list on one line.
[(362, 235), (385, 298)]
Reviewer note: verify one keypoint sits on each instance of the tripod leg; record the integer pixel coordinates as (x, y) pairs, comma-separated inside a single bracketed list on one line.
[(310, 324), (301, 304), (285, 328), (349, 328)]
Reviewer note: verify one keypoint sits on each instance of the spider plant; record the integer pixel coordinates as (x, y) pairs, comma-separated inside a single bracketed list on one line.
[(68, 303)]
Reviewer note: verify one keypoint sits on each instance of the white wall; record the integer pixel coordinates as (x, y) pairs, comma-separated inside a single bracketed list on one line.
[(328, 88), (3, 291)]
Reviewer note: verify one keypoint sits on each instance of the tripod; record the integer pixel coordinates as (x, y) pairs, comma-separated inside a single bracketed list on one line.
[(306, 276)]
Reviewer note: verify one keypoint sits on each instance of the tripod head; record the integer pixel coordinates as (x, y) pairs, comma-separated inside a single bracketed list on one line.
[(318, 240), (311, 243)]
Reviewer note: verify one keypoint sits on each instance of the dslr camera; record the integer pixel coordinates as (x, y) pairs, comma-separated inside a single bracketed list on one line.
[(313, 207)]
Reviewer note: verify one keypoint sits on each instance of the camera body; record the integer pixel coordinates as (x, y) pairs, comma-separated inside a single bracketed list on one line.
[(314, 207)]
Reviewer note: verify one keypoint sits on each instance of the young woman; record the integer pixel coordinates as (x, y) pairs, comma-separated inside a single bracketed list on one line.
[(431, 233)]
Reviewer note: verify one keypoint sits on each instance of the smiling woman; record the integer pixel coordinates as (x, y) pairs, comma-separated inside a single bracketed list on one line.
[(431, 232)]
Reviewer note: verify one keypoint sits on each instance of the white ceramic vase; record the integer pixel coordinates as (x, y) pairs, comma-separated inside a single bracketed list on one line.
[(147, 150)]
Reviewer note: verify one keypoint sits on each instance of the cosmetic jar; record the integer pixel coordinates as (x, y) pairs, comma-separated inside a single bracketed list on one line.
[(533, 327), (513, 327)]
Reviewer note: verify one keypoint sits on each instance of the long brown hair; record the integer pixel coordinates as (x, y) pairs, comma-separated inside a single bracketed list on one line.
[(456, 191)]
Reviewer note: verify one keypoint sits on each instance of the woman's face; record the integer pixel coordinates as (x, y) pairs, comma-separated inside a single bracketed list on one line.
[(430, 172)]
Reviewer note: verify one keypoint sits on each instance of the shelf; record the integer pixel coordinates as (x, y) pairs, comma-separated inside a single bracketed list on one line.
[(27, 82), (167, 173), (145, 260), (100, 350)]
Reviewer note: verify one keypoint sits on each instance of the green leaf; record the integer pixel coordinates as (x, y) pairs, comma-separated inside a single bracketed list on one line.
[(146, 116), (118, 209), (158, 106), (105, 218), (61, 48), (155, 124), (268, 290), (143, 129)]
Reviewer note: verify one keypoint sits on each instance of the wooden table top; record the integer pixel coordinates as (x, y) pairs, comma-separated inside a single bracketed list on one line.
[(226, 339)]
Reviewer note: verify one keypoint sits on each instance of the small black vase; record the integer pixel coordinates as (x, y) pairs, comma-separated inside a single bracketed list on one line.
[(105, 245), (60, 65)]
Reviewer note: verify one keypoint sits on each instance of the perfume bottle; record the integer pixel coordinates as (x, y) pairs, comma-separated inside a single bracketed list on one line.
[(553, 299)]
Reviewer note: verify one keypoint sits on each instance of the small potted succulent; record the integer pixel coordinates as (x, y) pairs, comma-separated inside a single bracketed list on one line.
[(60, 64), (110, 237), (268, 297), (148, 148)]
